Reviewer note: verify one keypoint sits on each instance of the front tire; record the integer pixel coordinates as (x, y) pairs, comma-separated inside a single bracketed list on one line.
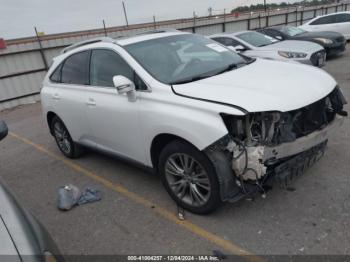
[(189, 177), (63, 139)]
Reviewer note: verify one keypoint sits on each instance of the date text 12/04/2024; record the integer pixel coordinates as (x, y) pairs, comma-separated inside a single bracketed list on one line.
[(173, 258)]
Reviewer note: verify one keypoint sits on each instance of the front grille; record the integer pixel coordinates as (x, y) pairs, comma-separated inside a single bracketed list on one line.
[(317, 115), (340, 48), (316, 56)]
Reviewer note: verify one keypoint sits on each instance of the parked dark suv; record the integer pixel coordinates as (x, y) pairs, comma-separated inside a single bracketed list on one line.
[(332, 42)]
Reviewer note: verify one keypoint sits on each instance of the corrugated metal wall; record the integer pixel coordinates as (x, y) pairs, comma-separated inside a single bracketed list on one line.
[(24, 62)]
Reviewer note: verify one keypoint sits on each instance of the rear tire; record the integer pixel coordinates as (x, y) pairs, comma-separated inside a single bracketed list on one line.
[(63, 139), (189, 177)]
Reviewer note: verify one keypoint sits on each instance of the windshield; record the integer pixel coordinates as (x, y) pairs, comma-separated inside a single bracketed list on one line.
[(184, 58), (292, 31), (256, 39)]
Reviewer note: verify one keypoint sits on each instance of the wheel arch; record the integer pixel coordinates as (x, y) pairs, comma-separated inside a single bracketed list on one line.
[(49, 117), (159, 142)]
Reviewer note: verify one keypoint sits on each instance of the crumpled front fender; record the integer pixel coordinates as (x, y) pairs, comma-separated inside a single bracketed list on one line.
[(228, 187)]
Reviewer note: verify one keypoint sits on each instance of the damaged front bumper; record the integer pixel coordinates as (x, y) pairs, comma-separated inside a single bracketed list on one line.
[(262, 147), (303, 143), (284, 172), (256, 168)]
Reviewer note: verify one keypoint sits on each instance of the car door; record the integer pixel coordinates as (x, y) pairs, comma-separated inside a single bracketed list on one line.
[(113, 119), (69, 82)]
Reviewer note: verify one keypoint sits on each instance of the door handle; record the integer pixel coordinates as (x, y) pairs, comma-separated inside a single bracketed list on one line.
[(56, 97), (91, 102)]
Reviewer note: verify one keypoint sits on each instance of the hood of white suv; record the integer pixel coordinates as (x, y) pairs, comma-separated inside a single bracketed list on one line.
[(263, 85), (293, 46)]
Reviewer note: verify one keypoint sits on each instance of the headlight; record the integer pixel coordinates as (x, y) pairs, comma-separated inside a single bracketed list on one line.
[(292, 54), (324, 40)]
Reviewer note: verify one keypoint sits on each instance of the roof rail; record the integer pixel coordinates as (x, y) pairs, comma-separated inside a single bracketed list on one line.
[(89, 41), (156, 31)]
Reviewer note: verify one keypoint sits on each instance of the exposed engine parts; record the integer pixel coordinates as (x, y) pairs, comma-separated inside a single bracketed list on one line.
[(248, 162), (257, 135)]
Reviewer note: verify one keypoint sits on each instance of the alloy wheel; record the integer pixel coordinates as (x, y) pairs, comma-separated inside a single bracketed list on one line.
[(187, 179), (62, 137)]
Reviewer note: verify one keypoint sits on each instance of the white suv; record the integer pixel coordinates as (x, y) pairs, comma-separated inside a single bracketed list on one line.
[(337, 22), (217, 126)]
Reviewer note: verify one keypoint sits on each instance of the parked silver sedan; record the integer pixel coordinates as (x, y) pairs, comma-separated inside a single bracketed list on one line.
[(22, 237), (255, 44)]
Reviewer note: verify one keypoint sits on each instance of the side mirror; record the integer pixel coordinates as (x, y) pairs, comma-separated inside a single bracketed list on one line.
[(239, 48), (3, 130), (125, 86)]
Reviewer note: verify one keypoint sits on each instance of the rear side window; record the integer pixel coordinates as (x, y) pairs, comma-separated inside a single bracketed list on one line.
[(325, 20), (104, 65), (343, 18), (56, 75), (75, 69)]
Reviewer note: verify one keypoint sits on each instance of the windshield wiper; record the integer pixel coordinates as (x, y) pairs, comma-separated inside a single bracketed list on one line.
[(250, 60), (196, 78), (228, 68), (188, 80)]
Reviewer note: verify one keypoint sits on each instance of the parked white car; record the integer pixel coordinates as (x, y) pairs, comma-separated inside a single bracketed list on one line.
[(255, 44), (337, 22), (215, 125)]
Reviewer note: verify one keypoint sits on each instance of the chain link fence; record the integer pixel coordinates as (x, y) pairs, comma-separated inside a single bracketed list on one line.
[(24, 62)]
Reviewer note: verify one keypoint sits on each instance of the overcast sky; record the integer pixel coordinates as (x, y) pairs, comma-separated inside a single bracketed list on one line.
[(18, 17)]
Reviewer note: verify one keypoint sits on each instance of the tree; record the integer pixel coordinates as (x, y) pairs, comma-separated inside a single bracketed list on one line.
[(281, 5)]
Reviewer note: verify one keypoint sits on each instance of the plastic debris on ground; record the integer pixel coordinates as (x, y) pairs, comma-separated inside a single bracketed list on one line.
[(70, 196), (180, 213)]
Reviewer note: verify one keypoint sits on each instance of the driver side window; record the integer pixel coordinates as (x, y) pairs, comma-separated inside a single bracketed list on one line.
[(105, 64)]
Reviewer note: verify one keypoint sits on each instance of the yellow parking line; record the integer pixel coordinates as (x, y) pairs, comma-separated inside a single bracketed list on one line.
[(197, 230)]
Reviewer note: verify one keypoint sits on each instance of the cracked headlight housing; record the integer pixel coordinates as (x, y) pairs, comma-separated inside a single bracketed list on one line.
[(292, 54), (324, 41)]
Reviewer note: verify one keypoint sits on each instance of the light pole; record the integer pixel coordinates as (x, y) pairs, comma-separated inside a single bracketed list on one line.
[(126, 17), (210, 11)]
